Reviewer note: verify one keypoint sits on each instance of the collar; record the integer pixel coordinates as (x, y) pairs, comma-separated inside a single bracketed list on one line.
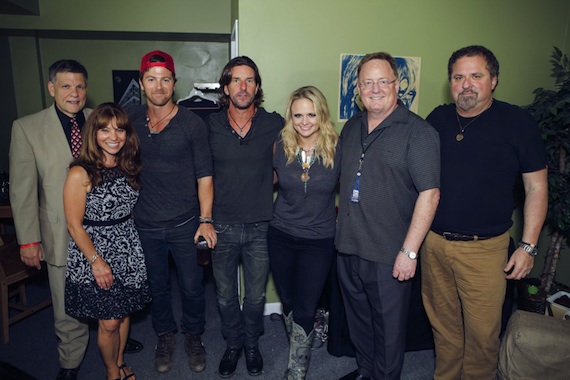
[(399, 115), (65, 120)]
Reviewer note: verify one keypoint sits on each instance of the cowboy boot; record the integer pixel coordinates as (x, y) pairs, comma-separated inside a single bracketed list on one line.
[(288, 319), (299, 353)]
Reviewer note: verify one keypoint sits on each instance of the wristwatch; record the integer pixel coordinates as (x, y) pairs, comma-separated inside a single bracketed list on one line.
[(531, 249), (411, 254)]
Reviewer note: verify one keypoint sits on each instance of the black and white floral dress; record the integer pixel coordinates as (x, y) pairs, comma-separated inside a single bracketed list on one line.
[(109, 223)]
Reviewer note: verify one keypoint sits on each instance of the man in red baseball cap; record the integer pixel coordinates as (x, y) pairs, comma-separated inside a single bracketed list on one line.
[(157, 58), (172, 212)]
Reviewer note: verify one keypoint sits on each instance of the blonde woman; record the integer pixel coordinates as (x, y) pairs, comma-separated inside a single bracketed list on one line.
[(301, 234)]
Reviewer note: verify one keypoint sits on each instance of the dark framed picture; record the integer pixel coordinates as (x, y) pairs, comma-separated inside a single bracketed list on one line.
[(126, 88)]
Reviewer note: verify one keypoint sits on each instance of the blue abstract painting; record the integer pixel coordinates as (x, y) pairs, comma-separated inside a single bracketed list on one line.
[(408, 72)]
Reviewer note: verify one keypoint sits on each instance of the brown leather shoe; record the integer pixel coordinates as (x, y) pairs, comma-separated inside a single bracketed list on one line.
[(196, 353), (163, 352)]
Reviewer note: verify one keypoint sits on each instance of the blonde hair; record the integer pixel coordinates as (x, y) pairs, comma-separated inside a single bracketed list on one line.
[(328, 137)]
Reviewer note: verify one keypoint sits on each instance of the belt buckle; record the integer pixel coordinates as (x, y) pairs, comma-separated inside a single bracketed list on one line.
[(451, 236)]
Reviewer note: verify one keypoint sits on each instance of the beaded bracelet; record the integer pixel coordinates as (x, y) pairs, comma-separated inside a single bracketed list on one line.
[(205, 220), (95, 257)]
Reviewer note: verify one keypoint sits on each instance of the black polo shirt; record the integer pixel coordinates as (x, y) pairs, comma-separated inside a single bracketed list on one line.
[(401, 160)]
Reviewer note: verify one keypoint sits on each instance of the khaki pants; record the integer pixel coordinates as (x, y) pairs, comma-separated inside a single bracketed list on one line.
[(463, 289), (72, 333)]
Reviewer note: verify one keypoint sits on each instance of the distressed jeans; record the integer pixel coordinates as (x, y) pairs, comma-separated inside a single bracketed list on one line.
[(245, 243)]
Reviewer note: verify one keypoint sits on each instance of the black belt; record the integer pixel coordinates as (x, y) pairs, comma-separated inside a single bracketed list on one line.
[(88, 222), (454, 236)]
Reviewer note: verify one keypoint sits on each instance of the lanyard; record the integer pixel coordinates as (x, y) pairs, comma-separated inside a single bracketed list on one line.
[(355, 194)]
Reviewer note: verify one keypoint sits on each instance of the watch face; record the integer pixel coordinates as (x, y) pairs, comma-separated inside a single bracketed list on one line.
[(412, 255)]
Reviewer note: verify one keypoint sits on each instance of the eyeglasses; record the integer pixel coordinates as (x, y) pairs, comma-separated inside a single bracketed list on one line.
[(368, 84)]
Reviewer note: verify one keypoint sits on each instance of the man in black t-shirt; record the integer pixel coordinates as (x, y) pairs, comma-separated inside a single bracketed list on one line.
[(242, 136), (485, 146), (174, 208)]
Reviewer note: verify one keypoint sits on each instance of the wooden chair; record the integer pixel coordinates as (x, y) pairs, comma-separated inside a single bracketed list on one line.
[(13, 273)]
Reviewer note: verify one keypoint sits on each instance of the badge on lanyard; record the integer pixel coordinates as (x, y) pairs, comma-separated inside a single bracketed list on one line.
[(355, 195)]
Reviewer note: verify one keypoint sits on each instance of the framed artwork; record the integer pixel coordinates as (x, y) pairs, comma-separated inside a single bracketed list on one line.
[(126, 88), (349, 102)]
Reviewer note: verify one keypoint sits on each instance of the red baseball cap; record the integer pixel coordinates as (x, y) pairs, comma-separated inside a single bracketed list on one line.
[(147, 64)]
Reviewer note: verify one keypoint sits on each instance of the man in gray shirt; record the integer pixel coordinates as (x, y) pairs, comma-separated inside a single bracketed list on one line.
[(389, 191)]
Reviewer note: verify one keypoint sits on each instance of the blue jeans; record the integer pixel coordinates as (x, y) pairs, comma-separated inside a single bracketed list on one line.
[(246, 243), (179, 240)]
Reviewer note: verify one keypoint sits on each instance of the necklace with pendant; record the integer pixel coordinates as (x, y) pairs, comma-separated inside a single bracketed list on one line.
[(462, 128), (152, 126), (241, 128), (306, 158)]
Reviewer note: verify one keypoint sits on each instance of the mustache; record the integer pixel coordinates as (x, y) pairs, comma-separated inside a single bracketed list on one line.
[(469, 91)]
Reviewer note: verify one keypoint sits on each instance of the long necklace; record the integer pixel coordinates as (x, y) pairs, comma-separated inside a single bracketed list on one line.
[(152, 126), (241, 128), (462, 128), (306, 158)]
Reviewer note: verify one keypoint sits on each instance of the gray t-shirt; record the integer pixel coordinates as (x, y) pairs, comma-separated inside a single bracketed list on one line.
[(172, 161), (309, 215)]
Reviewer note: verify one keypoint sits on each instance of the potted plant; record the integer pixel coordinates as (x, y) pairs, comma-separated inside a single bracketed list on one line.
[(551, 109)]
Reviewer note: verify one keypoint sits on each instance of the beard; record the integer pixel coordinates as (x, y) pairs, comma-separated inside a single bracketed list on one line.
[(241, 103), (467, 100)]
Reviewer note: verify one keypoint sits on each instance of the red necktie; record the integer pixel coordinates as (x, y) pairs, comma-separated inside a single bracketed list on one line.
[(75, 138)]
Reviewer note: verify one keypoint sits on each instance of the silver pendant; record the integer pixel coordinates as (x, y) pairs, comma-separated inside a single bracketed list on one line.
[(459, 137)]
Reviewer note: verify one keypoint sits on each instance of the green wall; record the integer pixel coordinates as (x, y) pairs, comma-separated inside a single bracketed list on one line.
[(299, 42), (187, 16)]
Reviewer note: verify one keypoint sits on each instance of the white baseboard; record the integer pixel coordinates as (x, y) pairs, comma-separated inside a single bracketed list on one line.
[(271, 308)]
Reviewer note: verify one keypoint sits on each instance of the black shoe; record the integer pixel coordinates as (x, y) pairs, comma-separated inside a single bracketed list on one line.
[(133, 346), (354, 375), (67, 374), (253, 360), (229, 362)]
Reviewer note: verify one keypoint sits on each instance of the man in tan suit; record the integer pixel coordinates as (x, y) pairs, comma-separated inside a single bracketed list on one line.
[(40, 154)]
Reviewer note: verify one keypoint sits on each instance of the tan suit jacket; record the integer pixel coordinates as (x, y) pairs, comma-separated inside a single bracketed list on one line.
[(39, 159)]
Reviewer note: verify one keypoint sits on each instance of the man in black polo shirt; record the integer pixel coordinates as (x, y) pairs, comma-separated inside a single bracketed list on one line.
[(389, 191)]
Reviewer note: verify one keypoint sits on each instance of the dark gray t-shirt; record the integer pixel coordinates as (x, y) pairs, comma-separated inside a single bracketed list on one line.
[(309, 215), (243, 168), (401, 160), (172, 161)]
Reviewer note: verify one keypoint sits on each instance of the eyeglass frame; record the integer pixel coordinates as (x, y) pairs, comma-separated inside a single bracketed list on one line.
[(382, 83)]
